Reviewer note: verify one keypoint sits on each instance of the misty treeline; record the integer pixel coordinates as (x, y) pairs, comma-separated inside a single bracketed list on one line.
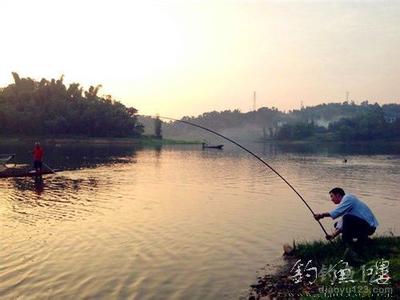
[(344, 122), (329, 122), (50, 107)]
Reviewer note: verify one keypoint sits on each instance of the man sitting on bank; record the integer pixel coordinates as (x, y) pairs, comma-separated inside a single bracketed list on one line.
[(357, 220)]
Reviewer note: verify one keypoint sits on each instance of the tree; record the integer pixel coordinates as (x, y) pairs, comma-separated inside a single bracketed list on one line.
[(157, 127), (49, 107)]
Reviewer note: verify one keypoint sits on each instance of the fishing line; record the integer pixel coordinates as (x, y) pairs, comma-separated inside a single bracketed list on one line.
[(251, 153)]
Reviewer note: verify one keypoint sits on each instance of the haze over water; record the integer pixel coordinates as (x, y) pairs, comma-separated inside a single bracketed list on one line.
[(173, 222)]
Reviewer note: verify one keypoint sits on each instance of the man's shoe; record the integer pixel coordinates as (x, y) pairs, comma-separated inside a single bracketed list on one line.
[(351, 256)]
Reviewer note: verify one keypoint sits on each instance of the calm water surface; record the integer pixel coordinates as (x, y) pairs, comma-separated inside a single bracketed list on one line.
[(172, 223)]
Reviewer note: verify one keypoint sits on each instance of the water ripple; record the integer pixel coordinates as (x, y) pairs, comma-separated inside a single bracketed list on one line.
[(173, 224)]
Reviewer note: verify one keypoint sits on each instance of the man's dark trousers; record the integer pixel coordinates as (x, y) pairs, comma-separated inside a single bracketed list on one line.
[(355, 227)]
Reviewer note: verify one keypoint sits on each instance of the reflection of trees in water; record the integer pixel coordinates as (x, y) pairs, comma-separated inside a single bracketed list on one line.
[(332, 148), (270, 149), (61, 197), (158, 149), (74, 155), (38, 184), (55, 184), (90, 157), (56, 197)]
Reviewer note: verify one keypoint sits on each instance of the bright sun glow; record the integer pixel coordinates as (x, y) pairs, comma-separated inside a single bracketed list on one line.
[(186, 57)]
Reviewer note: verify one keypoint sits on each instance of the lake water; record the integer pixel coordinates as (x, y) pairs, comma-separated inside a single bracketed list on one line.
[(173, 222)]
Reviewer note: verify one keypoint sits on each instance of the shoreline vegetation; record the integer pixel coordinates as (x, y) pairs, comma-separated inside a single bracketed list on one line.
[(144, 140), (50, 107), (323, 270), (151, 140)]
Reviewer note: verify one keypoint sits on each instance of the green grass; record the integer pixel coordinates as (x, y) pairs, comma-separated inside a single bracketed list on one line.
[(328, 252), (368, 259)]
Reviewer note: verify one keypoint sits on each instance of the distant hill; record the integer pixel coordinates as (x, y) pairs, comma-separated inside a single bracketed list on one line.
[(332, 121)]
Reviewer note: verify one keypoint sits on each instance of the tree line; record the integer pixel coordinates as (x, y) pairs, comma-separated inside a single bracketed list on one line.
[(366, 122), (345, 122), (31, 107)]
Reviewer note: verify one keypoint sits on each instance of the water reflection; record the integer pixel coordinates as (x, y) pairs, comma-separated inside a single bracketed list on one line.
[(330, 149), (54, 183), (158, 149), (171, 222), (270, 149), (73, 156), (39, 185), (60, 196)]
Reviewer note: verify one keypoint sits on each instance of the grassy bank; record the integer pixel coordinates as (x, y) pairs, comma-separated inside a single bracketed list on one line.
[(145, 141), (324, 270)]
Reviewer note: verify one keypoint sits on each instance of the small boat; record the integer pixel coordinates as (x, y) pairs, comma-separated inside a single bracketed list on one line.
[(21, 172), (205, 146), (6, 172)]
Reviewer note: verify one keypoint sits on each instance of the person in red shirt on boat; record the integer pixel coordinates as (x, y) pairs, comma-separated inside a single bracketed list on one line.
[(37, 157)]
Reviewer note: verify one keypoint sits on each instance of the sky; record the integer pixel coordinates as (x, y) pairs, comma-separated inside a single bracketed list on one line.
[(183, 58)]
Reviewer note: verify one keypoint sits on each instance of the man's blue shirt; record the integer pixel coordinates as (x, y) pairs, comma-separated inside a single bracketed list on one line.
[(351, 205)]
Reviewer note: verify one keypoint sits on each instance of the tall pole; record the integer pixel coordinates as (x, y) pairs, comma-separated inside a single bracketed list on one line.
[(254, 101)]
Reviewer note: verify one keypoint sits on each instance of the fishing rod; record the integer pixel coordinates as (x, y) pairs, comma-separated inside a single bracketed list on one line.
[(251, 153), (50, 169)]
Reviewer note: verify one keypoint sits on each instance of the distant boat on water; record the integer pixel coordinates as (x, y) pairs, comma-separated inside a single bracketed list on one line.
[(206, 146)]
